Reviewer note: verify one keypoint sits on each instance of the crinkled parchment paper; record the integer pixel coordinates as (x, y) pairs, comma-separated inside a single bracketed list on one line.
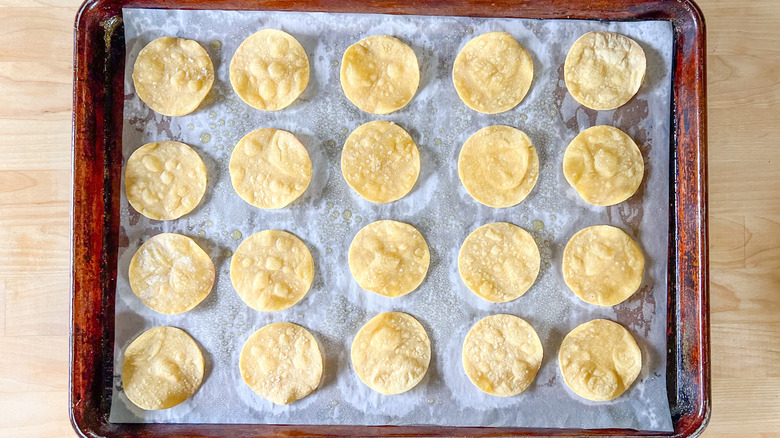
[(329, 214)]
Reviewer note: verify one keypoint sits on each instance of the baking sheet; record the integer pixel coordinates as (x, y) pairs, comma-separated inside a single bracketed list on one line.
[(329, 214)]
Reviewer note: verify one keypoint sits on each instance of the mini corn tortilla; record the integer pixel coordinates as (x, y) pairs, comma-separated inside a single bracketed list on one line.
[(165, 180), (501, 355), (498, 166), (492, 73), (380, 161), (162, 368), (171, 274), (499, 262), (391, 353), (604, 70), (602, 265), (269, 70), (173, 75), (281, 362), (604, 165), (272, 270), (379, 74), (599, 360), (270, 168), (389, 258)]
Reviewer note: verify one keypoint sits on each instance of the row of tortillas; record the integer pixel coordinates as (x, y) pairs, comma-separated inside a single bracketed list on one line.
[(380, 74), (391, 353), (499, 262), (273, 269), (270, 168)]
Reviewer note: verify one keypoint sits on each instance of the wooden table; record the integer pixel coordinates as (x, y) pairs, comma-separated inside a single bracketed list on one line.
[(744, 136)]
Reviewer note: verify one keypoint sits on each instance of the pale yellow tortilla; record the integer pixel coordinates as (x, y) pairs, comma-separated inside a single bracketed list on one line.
[(173, 75), (599, 360), (602, 265), (498, 166), (604, 165), (162, 368), (272, 270), (380, 161), (499, 262), (379, 74), (604, 70), (501, 355), (391, 353), (171, 274), (389, 258), (269, 70), (492, 73), (281, 362), (165, 180), (270, 168)]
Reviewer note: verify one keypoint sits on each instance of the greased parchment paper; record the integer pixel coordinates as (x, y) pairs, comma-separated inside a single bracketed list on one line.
[(329, 214)]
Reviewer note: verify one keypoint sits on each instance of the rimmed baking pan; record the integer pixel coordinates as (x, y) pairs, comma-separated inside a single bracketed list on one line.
[(97, 160)]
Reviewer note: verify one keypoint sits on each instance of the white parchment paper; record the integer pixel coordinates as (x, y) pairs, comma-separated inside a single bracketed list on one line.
[(329, 214)]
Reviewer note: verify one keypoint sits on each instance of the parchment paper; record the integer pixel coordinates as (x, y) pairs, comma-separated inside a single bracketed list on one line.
[(329, 214)]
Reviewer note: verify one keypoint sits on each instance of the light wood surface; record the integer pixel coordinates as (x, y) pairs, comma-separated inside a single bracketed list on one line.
[(744, 136)]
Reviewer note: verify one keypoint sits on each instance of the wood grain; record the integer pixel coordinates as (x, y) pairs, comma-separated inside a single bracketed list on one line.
[(37, 144), (35, 122), (744, 103)]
